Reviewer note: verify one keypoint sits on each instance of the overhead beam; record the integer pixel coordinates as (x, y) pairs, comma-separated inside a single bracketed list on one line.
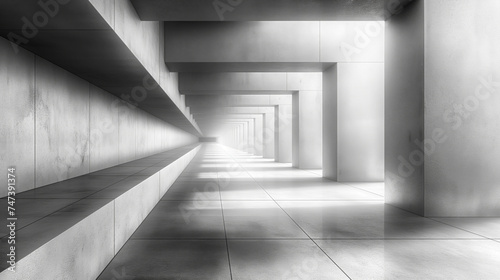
[(265, 10), (270, 46)]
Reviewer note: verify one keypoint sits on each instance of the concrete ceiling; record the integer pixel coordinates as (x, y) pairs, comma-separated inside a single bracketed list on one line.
[(265, 10)]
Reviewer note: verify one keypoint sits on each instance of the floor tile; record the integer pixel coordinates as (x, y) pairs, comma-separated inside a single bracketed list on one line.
[(372, 187), (280, 259), (258, 219), (488, 227), (164, 259), (193, 190), (242, 190), (183, 220), (316, 189), (416, 259), (354, 219)]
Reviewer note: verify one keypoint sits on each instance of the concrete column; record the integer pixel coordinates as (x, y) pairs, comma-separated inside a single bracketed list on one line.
[(245, 139), (360, 120), (259, 135), (251, 136), (269, 139), (404, 107), (330, 123), (442, 105), (307, 130), (284, 131)]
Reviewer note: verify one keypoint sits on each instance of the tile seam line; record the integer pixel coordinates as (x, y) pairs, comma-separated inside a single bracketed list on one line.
[(293, 220), (224, 225), (480, 235)]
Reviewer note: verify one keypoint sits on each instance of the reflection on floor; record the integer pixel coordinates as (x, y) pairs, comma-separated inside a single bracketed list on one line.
[(235, 216)]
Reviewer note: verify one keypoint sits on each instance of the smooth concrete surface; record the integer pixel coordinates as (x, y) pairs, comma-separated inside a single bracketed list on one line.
[(462, 74), (105, 134), (127, 129), (62, 100), (440, 105), (259, 135), (81, 252), (330, 133), (17, 112), (81, 40), (307, 124), (284, 129), (133, 207), (269, 151), (248, 82), (261, 10), (232, 215), (83, 235), (242, 42), (404, 108), (196, 101), (352, 41), (129, 28), (270, 46), (360, 97), (106, 9)]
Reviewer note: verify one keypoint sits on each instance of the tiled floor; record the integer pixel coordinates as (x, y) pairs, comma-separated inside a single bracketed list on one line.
[(235, 216)]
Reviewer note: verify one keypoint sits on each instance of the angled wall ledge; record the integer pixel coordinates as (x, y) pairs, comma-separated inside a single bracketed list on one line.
[(94, 41)]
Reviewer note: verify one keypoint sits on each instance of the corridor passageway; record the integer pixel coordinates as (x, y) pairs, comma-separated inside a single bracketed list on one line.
[(232, 215)]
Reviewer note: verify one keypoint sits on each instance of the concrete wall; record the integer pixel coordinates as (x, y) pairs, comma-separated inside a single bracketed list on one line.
[(84, 249), (330, 123), (146, 41), (404, 108), (360, 122), (59, 126), (462, 99), (307, 130), (17, 114)]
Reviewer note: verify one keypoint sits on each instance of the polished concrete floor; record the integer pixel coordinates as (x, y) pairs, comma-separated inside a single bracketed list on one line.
[(235, 216)]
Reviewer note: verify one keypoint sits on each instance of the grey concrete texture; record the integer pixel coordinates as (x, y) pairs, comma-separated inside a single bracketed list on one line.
[(441, 129), (262, 10), (276, 42), (81, 252), (79, 128), (83, 237), (104, 130), (62, 147), (231, 82), (360, 122), (148, 50), (307, 132), (284, 129), (330, 123), (462, 101), (404, 107), (17, 112)]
